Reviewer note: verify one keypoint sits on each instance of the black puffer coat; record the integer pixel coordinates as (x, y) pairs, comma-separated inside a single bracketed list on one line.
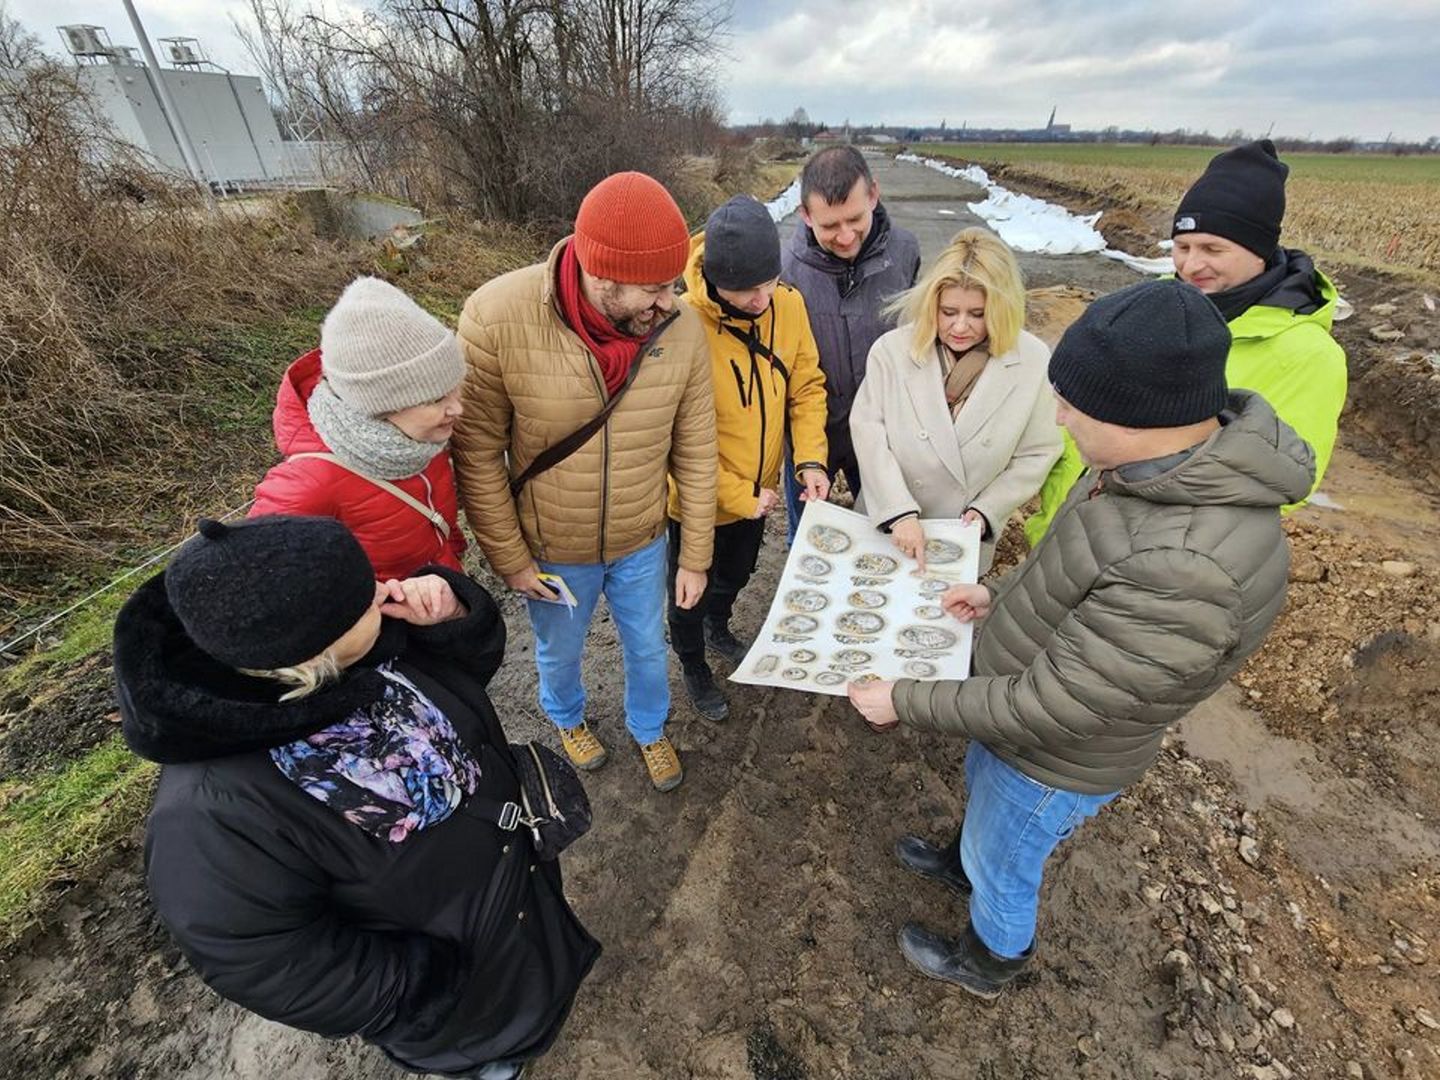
[(450, 949)]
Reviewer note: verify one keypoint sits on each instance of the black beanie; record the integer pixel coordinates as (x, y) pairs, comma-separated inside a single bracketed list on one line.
[(1240, 196), (271, 591), (742, 245), (1149, 356)]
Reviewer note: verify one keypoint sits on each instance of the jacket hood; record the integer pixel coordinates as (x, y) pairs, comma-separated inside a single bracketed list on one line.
[(294, 433), (697, 292), (698, 296), (1254, 460), (807, 249), (1303, 295), (178, 704)]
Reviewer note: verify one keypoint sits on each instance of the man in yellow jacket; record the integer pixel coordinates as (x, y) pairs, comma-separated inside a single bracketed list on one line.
[(766, 375)]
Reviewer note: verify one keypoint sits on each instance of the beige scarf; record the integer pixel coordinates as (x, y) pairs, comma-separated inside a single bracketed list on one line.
[(960, 373)]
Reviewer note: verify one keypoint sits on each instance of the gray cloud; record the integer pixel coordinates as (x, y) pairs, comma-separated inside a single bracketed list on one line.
[(1327, 68)]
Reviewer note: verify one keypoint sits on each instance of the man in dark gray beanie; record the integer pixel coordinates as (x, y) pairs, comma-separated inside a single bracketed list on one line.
[(1278, 306), (766, 374), (1161, 574)]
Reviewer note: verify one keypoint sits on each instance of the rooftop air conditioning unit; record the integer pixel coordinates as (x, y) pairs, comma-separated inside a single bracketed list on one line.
[(84, 41), (182, 54)]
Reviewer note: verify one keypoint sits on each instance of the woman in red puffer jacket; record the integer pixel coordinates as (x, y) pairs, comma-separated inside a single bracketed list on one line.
[(364, 423)]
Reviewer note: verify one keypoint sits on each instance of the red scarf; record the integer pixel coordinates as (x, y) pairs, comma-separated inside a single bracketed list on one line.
[(614, 350)]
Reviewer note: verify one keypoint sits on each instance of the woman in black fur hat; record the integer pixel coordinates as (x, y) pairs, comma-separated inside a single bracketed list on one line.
[(323, 845)]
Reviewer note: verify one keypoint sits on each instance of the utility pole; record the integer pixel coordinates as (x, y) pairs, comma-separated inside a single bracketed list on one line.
[(167, 104)]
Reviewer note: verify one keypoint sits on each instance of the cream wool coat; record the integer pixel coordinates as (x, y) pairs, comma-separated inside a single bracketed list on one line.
[(915, 459)]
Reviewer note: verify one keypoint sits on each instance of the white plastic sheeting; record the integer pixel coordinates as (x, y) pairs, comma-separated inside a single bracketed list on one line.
[(1023, 222), (1160, 265), (786, 203)]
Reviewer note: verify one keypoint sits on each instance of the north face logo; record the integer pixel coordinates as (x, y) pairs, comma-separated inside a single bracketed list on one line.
[(1185, 224)]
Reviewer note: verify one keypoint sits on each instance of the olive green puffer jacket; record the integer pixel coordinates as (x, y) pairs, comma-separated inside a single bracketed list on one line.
[(1145, 596)]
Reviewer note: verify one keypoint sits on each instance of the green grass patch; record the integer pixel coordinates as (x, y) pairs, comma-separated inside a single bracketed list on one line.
[(55, 826), (87, 630), (1383, 168), (242, 369)]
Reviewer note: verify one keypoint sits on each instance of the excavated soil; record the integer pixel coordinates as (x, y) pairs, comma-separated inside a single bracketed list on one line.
[(1264, 904)]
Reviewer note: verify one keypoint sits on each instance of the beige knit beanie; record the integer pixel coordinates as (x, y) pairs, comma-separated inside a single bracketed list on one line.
[(382, 352)]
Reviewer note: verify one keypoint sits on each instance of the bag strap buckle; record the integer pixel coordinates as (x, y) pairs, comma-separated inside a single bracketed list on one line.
[(509, 819)]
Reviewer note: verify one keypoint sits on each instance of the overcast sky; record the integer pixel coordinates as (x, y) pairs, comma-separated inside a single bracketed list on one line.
[(1322, 68)]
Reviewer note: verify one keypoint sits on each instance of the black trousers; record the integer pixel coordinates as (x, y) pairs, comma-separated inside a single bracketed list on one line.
[(737, 550)]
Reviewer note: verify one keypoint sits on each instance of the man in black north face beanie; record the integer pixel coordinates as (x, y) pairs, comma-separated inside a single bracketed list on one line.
[(1278, 305), (1240, 196), (1150, 356)]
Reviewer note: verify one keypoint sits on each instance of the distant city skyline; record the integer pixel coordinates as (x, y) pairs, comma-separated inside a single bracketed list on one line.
[(1324, 70)]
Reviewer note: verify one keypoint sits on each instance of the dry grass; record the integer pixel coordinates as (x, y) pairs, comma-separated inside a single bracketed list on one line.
[(115, 281)]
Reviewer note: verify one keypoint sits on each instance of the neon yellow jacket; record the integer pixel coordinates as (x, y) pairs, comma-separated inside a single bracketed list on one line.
[(1290, 360)]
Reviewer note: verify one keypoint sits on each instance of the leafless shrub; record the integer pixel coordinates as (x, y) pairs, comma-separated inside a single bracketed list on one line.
[(109, 266)]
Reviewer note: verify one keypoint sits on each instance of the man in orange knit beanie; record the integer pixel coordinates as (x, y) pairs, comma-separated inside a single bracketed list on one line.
[(587, 384)]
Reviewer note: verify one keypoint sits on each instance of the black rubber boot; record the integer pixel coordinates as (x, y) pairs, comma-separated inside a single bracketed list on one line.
[(934, 862), (719, 640), (709, 702), (967, 962)]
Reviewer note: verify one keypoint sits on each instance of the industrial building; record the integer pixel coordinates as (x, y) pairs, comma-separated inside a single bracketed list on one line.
[(228, 118)]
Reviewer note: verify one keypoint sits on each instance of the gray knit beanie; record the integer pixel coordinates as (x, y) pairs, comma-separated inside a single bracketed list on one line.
[(382, 352), (742, 245), (1149, 356)]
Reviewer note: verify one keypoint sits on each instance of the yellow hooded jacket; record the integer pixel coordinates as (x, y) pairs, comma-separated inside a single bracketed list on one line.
[(754, 400)]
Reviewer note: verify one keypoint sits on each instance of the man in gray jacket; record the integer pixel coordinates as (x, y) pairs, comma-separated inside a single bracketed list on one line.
[(848, 261), (1161, 574)]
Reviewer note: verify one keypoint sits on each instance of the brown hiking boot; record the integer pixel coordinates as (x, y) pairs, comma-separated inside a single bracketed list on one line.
[(583, 749), (663, 764)]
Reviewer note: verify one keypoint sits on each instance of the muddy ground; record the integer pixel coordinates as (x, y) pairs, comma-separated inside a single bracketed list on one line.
[(1266, 903)]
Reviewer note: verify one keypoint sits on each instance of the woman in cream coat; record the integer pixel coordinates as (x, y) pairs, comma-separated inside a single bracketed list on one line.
[(955, 418)]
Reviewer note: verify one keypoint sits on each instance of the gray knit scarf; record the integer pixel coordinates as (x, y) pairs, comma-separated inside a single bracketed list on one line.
[(375, 447)]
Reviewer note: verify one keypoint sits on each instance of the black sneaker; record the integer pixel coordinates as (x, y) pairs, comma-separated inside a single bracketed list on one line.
[(719, 640), (936, 863), (709, 702), (964, 962)]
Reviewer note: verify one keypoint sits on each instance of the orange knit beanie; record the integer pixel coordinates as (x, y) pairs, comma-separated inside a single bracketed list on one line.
[(630, 230)]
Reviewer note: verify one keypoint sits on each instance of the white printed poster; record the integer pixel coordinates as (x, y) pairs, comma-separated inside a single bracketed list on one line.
[(851, 608)]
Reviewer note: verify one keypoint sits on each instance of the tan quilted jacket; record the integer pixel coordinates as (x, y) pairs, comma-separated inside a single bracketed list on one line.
[(530, 383)]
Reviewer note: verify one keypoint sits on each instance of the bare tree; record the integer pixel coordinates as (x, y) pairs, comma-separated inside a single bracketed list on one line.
[(19, 48), (508, 108)]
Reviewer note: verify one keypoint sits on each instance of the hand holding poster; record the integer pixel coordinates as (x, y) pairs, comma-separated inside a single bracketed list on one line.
[(850, 607)]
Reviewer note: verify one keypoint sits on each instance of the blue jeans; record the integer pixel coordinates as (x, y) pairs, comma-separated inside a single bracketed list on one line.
[(634, 587), (1012, 824)]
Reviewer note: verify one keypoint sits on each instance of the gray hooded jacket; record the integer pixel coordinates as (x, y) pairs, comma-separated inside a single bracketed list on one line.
[(844, 300), (1149, 591)]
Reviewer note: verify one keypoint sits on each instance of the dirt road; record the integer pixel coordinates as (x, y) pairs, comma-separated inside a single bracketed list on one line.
[(1262, 905)]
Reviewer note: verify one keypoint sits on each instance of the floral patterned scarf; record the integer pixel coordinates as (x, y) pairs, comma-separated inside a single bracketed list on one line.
[(392, 767)]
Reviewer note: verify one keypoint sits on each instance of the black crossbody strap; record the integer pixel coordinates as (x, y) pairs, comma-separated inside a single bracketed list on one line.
[(760, 347), (556, 453)]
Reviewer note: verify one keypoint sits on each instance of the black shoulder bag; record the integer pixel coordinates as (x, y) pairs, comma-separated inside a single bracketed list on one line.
[(552, 803), (553, 455)]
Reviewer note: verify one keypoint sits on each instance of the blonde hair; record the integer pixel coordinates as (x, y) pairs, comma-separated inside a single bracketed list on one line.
[(306, 677), (974, 259)]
